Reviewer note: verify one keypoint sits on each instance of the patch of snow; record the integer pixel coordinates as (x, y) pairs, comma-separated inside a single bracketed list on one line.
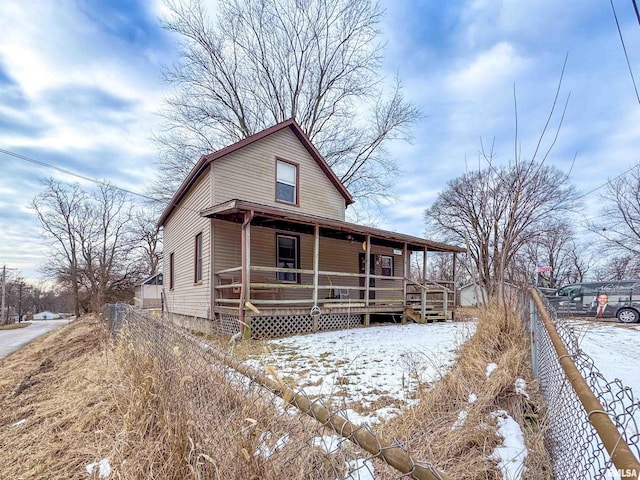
[(367, 365), (462, 417), (360, 469), (329, 443), (19, 422), (472, 398), (104, 469), (613, 348), (264, 450), (513, 452), (490, 368), (521, 387)]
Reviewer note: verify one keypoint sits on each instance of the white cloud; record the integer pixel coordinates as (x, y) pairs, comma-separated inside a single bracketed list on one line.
[(490, 71)]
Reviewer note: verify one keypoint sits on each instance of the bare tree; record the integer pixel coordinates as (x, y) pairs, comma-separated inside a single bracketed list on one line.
[(265, 61), (92, 242), (147, 235), (59, 208), (495, 212), (618, 225), (557, 249), (620, 267), (105, 242)]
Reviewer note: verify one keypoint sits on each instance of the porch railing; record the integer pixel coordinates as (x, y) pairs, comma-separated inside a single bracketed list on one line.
[(335, 289), (427, 291)]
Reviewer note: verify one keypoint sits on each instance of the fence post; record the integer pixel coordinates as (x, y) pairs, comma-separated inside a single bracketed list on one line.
[(533, 321)]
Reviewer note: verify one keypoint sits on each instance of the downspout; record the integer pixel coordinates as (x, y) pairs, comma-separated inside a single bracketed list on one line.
[(246, 328)]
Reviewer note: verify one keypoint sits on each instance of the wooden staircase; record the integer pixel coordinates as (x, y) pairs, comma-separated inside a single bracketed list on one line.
[(425, 304)]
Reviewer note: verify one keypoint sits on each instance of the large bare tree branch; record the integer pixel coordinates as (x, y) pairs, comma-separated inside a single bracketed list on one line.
[(264, 61)]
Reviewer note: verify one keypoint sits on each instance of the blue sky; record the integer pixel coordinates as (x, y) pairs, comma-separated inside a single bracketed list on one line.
[(80, 87)]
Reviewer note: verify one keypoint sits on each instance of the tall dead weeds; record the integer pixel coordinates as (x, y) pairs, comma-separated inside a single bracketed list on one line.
[(462, 443)]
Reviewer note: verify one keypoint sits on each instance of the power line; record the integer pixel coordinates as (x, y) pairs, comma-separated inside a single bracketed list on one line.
[(607, 182), (635, 7), (625, 48), (91, 179), (74, 174)]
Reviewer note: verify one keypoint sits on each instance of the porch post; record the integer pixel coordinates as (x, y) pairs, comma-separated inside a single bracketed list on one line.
[(245, 288), (424, 266), (212, 269), (404, 274), (453, 276), (316, 262), (367, 267)]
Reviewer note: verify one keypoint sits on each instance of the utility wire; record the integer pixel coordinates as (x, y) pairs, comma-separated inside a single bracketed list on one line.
[(88, 179), (635, 7), (606, 183), (625, 48), (73, 174)]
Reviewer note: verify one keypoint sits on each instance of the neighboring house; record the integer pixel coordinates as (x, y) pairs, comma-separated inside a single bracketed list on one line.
[(148, 293), (46, 316), (473, 294), (255, 239)]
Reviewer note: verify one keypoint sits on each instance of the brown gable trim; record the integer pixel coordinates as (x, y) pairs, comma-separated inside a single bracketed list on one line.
[(206, 159)]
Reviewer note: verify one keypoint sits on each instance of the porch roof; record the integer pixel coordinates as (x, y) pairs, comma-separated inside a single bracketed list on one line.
[(274, 217)]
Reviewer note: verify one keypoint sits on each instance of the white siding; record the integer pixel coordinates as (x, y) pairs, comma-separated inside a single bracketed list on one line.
[(180, 230), (250, 174)]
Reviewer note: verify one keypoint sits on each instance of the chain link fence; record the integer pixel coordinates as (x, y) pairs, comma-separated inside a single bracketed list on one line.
[(576, 447), (246, 424)]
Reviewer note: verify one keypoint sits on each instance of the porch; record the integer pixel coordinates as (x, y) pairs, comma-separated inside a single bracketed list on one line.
[(345, 274)]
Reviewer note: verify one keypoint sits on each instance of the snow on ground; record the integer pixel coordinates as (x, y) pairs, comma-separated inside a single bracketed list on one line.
[(512, 453), (614, 349), (377, 368), (103, 467)]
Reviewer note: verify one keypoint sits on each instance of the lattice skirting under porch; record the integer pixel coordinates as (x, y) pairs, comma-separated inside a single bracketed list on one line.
[(285, 325)]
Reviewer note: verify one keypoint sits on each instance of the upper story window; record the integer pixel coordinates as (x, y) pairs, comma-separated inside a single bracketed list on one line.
[(198, 255), (286, 182)]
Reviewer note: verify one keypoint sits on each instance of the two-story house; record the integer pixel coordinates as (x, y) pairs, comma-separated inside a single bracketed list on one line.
[(255, 240)]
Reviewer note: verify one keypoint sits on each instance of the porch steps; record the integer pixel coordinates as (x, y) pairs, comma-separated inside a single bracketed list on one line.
[(430, 316)]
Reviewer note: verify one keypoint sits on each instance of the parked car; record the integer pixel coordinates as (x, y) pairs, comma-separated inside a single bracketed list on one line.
[(620, 299)]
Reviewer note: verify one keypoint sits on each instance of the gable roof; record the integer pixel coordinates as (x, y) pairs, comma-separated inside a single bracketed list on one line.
[(205, 160)]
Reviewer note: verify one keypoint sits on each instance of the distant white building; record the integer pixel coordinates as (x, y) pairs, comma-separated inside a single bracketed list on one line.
[(148, 293), (472, 294), (46, 316)]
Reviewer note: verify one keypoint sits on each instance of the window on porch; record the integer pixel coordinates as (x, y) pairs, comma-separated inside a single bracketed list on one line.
[(287, 257), (386, 265)]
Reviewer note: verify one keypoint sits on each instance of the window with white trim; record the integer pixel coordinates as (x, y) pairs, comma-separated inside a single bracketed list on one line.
[(386, 265), (286, 182), (287, 257)]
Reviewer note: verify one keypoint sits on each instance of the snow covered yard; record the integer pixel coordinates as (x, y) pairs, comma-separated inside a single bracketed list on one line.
[(614, 348), (372, 373)]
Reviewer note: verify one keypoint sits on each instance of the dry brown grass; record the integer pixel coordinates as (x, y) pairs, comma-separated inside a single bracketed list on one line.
[(57, 384), (84, 399), (464, 453), (13, 326)]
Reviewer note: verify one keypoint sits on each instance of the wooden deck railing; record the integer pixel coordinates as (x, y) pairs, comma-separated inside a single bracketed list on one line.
[(229, 280)]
